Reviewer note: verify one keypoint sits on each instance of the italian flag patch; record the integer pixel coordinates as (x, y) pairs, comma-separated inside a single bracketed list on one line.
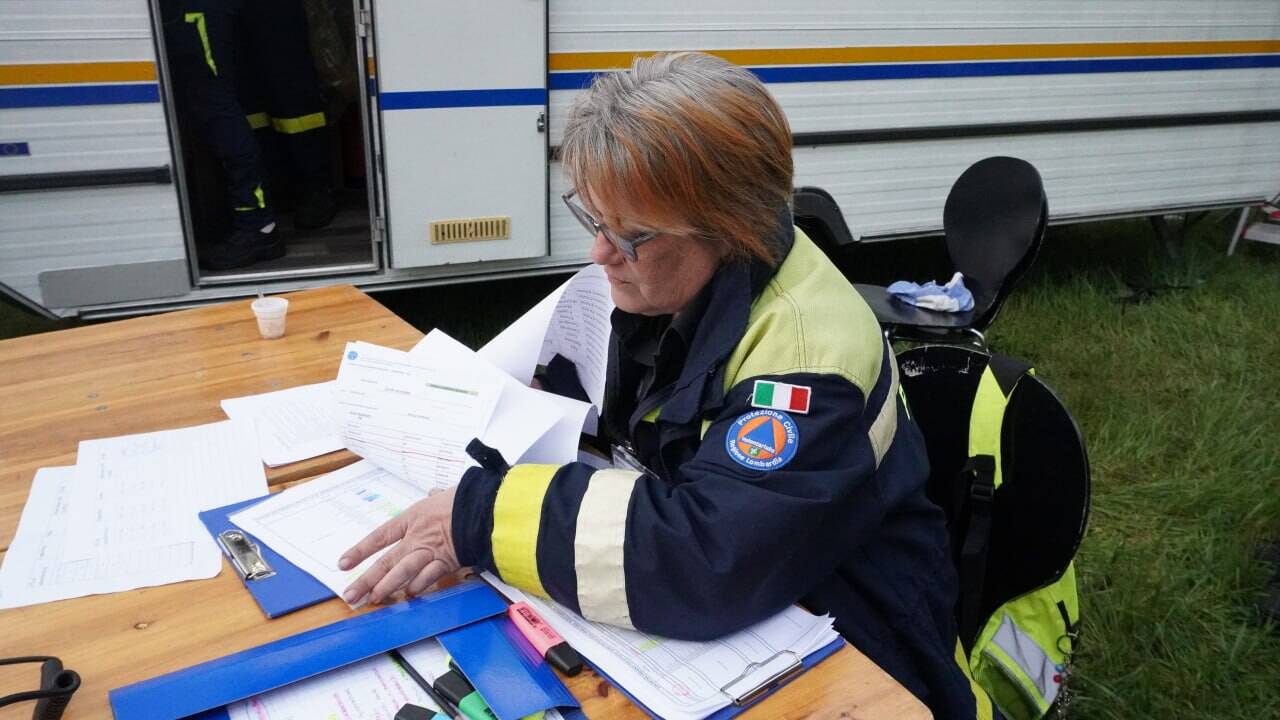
[(780, 396)]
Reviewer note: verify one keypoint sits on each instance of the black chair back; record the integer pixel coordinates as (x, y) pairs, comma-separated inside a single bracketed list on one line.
[(1041, 510), (994, 220)]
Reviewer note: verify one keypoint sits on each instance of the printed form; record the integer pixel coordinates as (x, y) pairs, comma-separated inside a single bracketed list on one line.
[(312, 524), (372, 689), (36, 570), (293, 424), (409, 417), (683, 680), (139, 492), (573, 321)]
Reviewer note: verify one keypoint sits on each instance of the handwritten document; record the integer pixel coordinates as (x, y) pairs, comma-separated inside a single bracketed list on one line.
[(139, 492), (685, 680), (36, 570), (312, 524), (573, 321), (293, 424), (411, 418), (372, 689)]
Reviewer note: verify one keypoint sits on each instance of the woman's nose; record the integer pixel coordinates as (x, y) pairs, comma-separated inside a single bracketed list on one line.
[(603, 252)]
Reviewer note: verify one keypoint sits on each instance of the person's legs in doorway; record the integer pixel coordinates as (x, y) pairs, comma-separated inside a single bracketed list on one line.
[(279, 43), (199, 36)]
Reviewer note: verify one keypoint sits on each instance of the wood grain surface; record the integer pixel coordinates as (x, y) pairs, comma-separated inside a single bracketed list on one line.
[(170, 371)]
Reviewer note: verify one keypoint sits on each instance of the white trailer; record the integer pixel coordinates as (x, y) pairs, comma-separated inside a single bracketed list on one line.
[(1127, 107)]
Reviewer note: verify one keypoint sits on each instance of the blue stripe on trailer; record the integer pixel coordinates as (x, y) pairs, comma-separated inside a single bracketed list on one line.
[(73, 95), (430, 99), (909, 71)]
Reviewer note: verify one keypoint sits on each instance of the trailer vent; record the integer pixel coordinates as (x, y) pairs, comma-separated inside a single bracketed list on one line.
[(470, 229)]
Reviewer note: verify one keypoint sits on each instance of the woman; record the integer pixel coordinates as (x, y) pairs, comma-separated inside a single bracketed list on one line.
[(767, 459)]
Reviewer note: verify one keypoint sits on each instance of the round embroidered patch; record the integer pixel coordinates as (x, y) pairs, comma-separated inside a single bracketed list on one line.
[(762, 439)]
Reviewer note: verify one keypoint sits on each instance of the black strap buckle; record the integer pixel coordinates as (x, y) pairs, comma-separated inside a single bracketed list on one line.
[(56, 687)]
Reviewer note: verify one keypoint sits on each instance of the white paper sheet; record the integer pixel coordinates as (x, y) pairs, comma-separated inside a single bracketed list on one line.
[(528, 425), (681, 680), (293, 424), (572, 321), (372, 689), (410, 417), (579, 329), (312, 524), (428, 657), (139, 492), (515, 350), (35, 570)]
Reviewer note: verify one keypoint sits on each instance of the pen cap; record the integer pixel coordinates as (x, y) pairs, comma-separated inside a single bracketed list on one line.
[(544, 639), (565, 659), (416, 712), (453, 686)]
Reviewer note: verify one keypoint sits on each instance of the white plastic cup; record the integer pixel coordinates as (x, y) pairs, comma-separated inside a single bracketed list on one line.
[(270, 312)]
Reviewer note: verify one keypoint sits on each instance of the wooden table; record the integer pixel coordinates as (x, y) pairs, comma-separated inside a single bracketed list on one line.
[(170, 371)]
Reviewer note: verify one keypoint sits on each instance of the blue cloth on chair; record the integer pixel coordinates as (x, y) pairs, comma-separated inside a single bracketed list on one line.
[(952, 297)]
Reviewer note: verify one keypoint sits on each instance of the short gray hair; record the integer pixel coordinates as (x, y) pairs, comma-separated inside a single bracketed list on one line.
[(690, 133)]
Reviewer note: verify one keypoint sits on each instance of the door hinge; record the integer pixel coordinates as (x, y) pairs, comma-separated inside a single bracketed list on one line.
[(380, 226), (542, 122), (363, 23)]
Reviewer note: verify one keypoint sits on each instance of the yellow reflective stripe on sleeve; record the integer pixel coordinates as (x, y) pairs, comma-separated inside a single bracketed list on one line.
[(295, 125), (197, 18), (598, 547), (885, 426), (258, 120), (517, 514)]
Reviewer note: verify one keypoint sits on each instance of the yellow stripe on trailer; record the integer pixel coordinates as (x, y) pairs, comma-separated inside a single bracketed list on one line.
[(74, 73)]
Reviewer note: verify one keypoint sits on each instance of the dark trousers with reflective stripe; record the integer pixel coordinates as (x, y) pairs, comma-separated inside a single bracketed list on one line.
[(237, 64)]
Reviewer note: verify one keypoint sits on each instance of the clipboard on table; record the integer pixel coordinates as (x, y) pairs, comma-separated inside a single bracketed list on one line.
[(204, 691), (278, 586), (740, 696)]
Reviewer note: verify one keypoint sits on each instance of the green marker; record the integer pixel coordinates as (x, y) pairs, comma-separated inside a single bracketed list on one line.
[(455, 688)]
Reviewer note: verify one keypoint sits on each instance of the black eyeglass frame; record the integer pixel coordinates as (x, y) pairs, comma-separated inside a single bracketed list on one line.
[(626, 246)]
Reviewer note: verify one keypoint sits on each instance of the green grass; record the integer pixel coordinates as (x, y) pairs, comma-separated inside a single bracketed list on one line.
[(1177, 399)]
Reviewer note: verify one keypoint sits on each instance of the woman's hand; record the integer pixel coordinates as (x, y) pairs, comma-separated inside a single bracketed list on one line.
[(422, 554)]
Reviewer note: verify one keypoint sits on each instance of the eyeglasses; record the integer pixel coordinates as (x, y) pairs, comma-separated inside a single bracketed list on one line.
[(626, 246)]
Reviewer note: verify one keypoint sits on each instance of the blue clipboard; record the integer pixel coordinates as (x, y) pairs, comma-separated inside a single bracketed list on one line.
[(289, 589), (204, 690)]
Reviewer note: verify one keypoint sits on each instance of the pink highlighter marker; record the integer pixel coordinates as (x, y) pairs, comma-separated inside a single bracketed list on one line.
[(544, 639)]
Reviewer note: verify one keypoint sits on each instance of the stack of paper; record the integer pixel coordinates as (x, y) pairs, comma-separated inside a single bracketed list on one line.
[(125, 515), (682, 680)]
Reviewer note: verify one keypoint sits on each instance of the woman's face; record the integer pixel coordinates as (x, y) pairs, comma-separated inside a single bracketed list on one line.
[(668, 271)]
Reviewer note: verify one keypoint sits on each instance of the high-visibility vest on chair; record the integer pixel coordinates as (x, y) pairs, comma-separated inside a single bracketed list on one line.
[(1008, 466)]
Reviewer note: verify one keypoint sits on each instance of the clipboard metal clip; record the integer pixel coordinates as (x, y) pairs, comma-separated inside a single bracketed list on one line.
[(245, 555), (783, 672)]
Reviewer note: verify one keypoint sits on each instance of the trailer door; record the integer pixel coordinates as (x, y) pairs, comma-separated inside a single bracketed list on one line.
[(88, 205), (461, 95)]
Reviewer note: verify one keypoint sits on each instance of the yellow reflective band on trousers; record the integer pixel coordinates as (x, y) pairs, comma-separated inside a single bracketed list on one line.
[(197, 19), (295, 125), (979, 695), (986, 420), (517, 514), (259, 120), (258, 195)]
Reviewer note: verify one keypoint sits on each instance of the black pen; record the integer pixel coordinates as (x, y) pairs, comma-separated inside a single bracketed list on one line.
[(445, 706)]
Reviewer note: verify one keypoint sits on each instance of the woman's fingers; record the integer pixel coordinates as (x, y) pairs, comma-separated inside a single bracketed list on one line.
[(398, 568), (387, 533), (427, 577)]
